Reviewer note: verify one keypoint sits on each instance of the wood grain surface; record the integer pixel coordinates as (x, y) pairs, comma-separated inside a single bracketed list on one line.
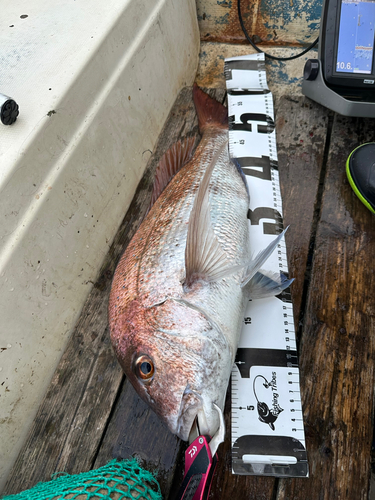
[(337, 344), (301, 130)]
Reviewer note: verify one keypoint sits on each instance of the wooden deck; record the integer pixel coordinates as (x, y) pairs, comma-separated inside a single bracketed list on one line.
[(91, 413)]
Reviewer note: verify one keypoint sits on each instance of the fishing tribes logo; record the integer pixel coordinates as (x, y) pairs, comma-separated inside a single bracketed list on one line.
[(264, 389)]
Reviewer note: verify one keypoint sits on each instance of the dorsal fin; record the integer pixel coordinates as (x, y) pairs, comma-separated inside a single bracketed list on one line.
[(204, 257), (211, 113), (170, 163)]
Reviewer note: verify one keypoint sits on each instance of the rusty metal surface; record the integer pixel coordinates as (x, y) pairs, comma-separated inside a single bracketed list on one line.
[(282, 77), (275, 22)]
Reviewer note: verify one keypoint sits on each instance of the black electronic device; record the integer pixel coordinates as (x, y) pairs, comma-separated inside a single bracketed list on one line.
[(348, 43), (343, 76)]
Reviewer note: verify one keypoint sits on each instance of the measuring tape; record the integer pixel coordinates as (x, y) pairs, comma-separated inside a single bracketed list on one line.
[(268, 435)]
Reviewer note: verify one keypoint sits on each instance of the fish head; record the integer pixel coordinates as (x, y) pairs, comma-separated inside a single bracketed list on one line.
[(177, 362)]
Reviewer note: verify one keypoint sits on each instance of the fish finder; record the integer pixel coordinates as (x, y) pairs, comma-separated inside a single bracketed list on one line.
[(343, 76)]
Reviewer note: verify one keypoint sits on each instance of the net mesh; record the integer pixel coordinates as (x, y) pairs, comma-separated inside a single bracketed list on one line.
[(115, 481)]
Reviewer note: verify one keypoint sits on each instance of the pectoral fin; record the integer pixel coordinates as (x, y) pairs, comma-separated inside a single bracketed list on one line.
[(204, 257), (260, 259), (260, 284), (267, 284)]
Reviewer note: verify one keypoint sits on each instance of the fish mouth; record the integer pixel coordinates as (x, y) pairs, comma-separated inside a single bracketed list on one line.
[(200, 427), (191, 410)]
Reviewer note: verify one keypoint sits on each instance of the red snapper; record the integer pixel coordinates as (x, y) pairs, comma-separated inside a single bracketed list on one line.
[(180, 289)]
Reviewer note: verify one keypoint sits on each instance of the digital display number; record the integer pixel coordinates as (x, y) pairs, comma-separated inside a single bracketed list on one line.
[(341, 66)]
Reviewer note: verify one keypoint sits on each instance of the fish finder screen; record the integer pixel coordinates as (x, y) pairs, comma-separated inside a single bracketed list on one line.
[(356, 37)]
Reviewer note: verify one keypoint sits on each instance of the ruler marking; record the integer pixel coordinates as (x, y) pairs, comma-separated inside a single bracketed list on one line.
[(264, 376)]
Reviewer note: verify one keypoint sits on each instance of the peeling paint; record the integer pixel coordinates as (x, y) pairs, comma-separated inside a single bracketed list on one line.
[(296, 22), (314, 25), (222, 19)]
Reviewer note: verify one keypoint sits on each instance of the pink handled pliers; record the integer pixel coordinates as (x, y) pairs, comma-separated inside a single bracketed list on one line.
[(200, 462)]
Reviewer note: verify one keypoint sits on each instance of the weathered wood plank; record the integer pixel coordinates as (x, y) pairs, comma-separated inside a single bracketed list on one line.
[(91, 417), (86, 366), (301, 130), (135, 430), (338, 348), (70, 422)]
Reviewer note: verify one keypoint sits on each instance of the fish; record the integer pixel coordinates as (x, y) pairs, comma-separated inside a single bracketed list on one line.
[(181, 287)]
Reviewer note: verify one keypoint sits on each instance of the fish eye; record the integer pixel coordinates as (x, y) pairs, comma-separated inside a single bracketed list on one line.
[(144, 368)]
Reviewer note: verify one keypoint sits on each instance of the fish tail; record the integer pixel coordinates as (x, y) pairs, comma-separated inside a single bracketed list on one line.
[(211, 113)]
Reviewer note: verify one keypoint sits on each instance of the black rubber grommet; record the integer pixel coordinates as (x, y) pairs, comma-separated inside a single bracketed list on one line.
[(9, 112)]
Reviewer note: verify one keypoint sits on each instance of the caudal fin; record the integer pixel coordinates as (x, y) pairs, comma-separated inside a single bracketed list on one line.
[(211, 113)]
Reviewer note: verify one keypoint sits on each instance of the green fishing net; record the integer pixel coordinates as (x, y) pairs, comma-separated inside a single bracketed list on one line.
[(114, 481)]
